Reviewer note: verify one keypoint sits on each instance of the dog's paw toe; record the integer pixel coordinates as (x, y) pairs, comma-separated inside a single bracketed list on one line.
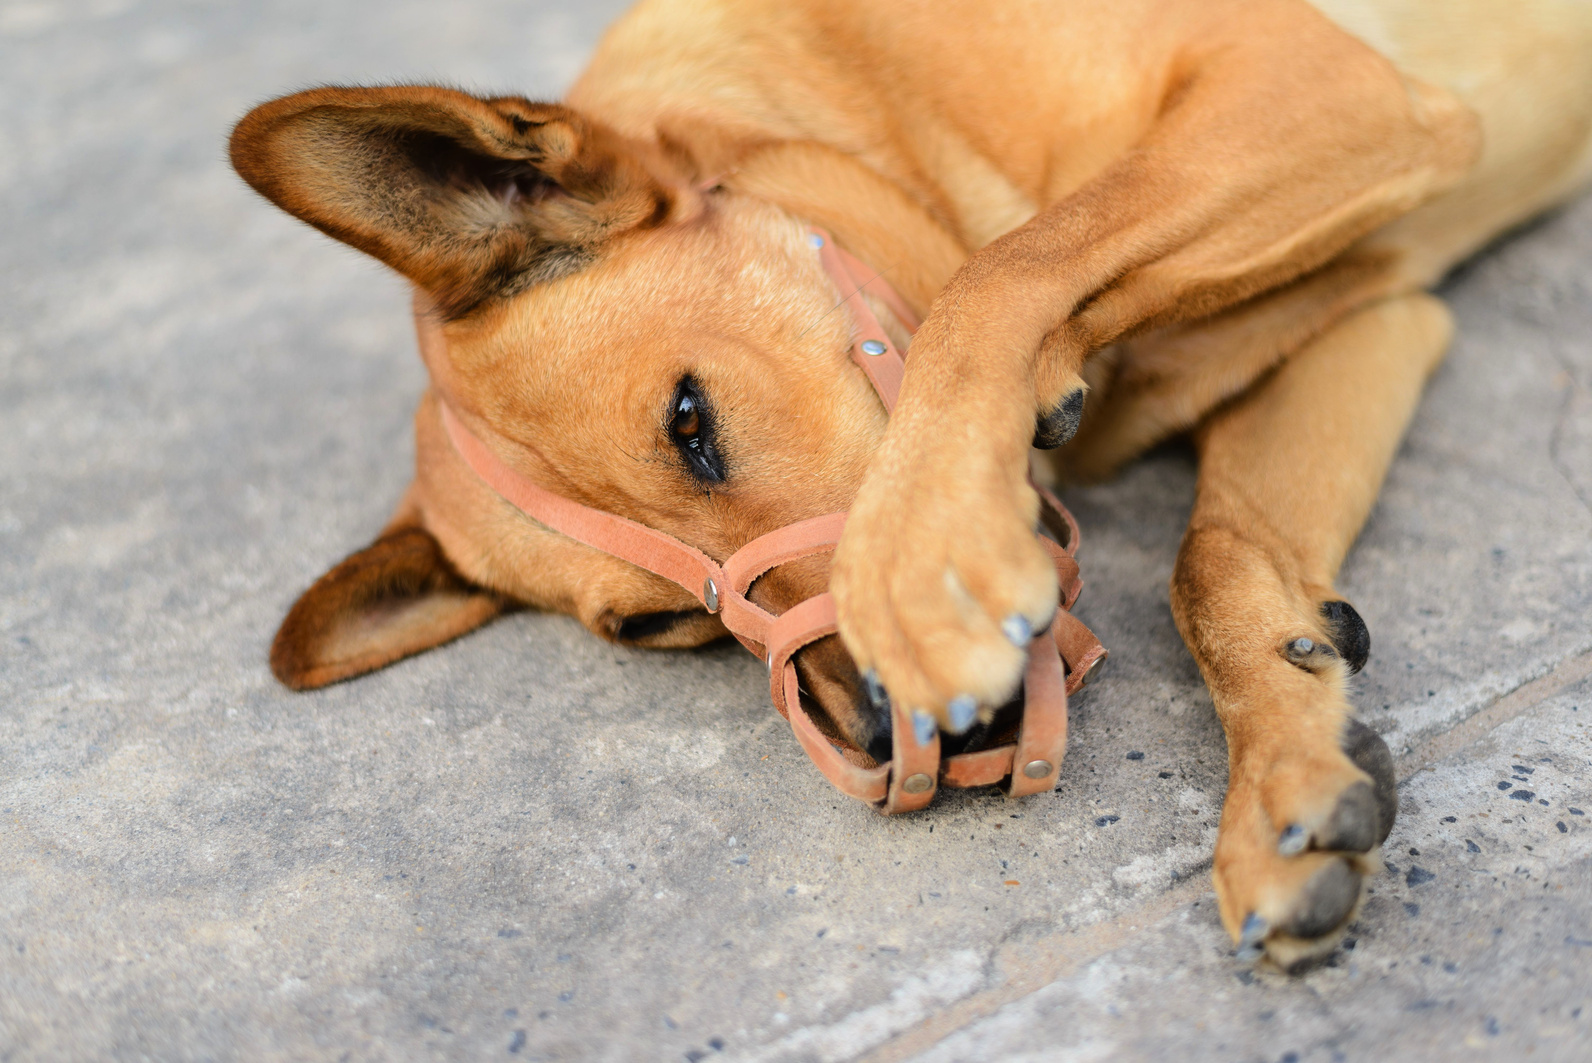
[(1355, 824), (1345, 640), (1310, 654), (1325, 902), (1371, 755), (1363, 813), (1305, 913)]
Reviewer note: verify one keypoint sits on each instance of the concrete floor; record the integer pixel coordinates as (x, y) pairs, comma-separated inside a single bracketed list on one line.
[(533, 845)]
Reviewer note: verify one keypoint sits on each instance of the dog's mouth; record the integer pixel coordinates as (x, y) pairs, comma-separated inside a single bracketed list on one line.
[(835, 699)]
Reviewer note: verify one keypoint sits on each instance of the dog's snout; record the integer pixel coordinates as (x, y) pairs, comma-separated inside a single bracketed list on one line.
[(830, 679), (832, 687)]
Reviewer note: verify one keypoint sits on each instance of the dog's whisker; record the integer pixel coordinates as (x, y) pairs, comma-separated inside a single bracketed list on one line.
[(859, 289)]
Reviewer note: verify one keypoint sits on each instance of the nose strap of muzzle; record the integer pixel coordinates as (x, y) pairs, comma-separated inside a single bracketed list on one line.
[(1059, 659)]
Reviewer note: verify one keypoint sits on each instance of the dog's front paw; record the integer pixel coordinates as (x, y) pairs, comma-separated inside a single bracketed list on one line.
[(939, 583), (1300, 830)]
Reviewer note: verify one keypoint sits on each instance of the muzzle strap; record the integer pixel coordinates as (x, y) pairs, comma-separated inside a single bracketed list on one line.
[(1059, 659)]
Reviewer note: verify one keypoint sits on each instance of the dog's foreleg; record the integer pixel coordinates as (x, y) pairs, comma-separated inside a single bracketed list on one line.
[(1283, 143), (1287, 476)]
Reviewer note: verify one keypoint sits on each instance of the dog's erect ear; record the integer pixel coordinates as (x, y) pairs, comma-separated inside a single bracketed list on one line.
[(394, 598), (468, 197)]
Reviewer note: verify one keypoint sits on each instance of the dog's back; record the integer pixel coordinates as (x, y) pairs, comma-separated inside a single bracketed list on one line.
[(1525, 67)]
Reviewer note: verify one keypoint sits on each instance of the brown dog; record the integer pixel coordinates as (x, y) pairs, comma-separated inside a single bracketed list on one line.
[(1210, 216)]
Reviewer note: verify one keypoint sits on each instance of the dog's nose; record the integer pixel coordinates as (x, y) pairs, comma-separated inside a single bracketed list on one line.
[(832, 688), (831, 680)]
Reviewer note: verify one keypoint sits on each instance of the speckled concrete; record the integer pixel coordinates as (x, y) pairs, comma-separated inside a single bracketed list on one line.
[(205, 404), (1476, 936)]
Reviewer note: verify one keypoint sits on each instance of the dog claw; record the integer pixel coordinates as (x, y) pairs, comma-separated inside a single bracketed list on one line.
[(1252, 937), (1309, 654), (876, 692), (1018, 630), (1293, 840), (923, 727), (962, 710)]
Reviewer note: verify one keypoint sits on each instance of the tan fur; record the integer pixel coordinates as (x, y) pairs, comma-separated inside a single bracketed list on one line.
[(1218, 215)]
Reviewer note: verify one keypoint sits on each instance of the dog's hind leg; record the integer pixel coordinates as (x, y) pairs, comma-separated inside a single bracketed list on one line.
[(1288, 474)]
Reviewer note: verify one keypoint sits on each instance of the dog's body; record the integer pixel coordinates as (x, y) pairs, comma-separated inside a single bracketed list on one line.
[(1216, 216)]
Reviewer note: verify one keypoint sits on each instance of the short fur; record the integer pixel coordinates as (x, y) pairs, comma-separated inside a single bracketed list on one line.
[(1216, 217)]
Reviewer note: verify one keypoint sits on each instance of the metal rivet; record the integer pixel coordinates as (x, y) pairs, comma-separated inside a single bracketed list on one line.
[(917, 784), (710, 595), (1088, 673), (815, 241), (1038, 769), (873, 347)]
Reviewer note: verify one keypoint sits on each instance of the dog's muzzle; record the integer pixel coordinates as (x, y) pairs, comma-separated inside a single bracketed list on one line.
[(1059, 658)]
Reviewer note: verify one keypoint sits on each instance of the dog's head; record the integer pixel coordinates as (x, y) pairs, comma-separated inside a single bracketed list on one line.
[(626, 338)]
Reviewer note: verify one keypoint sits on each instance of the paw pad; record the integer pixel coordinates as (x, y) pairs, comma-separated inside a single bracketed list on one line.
[(1325, 901), (1348, 633), (1372, 756), (1355, 825)]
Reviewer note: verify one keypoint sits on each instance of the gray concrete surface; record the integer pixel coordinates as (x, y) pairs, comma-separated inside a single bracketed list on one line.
[(204, 405)]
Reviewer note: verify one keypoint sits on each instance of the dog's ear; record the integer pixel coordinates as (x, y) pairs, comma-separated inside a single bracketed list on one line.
[(394, 598), (468, 197)]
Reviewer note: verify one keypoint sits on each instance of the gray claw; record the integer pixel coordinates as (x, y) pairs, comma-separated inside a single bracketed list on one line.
[(1018, 630), (1309, 654), (1254, 930), (923, 727), (1250, 953), (875, 689), (962, 710), (1293, 841)]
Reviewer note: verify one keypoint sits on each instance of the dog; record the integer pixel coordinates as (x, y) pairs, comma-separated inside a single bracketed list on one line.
[(1120, 221)]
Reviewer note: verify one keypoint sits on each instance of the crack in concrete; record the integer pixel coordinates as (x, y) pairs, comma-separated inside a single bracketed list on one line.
[(1556, 438)]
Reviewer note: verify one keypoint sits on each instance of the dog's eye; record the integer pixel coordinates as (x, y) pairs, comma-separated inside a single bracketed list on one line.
[(691, 431), (687, 421)]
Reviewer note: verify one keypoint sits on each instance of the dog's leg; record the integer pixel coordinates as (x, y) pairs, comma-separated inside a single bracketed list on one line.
[(1280, 143), (1167, 381), (1287, 476)]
